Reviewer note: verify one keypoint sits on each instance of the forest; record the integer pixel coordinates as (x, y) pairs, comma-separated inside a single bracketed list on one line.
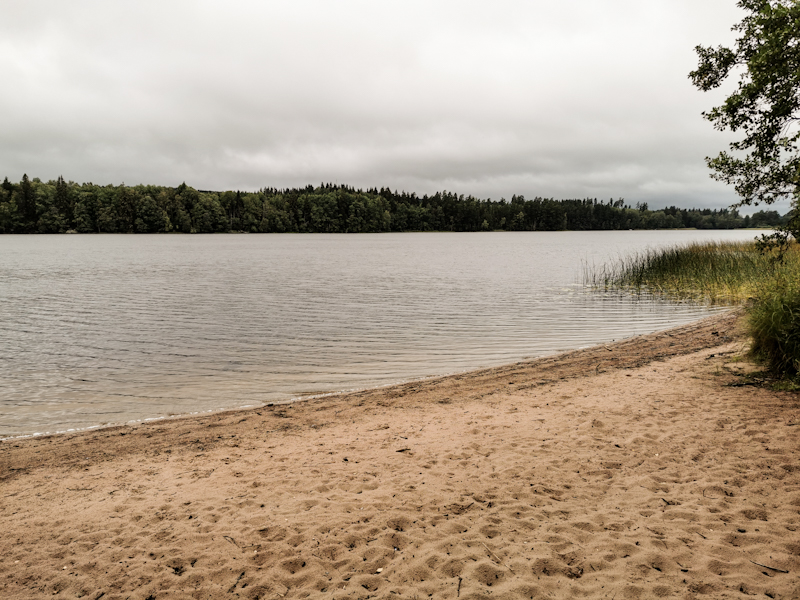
[(34, 206)]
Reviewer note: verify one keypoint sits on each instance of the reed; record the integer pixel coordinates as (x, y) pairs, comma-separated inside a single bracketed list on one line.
[(715, 272), (725, 273)]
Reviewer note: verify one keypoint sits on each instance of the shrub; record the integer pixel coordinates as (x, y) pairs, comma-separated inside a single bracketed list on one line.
[(774, 323)]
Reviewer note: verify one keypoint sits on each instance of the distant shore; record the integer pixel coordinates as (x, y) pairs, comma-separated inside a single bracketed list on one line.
[(36, 206), (643, 468)]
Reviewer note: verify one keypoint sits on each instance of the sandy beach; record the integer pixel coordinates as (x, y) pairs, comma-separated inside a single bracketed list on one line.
[(647, 468)]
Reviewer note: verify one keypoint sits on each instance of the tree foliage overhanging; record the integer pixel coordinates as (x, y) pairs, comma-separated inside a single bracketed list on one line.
[(33, 206), (763, 166)]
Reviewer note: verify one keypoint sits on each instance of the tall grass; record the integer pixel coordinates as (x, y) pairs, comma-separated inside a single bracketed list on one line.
[(717, 272), (774, 323), (725, 273)]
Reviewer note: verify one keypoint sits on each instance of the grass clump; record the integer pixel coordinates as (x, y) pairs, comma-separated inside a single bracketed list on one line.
[(716, 272), (733, 273), (774, 323)]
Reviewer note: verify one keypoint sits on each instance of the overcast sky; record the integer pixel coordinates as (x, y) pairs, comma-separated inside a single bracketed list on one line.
[(571, 99)]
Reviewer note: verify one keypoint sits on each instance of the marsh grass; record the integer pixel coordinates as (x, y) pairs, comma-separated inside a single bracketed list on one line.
[(733, 273), (715, 272)]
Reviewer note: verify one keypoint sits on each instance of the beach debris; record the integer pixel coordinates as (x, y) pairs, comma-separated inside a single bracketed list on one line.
[(458, 509), (403, 450), (500, 562), (768, 567), (238, 579)]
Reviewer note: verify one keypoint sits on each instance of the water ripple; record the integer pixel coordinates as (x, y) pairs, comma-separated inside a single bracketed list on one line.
[(100, 329)]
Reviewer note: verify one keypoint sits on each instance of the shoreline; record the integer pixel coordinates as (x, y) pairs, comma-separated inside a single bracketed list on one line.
[(335, 393), (532, 363), (637, 469)]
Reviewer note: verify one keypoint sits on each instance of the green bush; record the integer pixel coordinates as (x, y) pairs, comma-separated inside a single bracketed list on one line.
[(774, 323)]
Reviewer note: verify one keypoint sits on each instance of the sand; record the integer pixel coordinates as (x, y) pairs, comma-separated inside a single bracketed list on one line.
[(649, 468)]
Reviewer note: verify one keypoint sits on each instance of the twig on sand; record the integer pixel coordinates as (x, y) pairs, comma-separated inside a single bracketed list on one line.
[(497, 557), (458, 592), (238, 579), (768, 567)]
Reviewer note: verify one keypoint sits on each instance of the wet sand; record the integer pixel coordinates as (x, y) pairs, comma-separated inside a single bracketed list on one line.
[(647, 468)]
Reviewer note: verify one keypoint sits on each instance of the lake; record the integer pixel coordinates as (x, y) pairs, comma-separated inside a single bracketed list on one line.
[(102, 329)]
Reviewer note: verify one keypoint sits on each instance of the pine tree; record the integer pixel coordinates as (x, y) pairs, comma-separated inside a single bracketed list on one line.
[(26, 204), (64, 202)]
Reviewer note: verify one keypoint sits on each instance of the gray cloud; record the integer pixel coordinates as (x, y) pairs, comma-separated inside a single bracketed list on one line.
[(572, 99)]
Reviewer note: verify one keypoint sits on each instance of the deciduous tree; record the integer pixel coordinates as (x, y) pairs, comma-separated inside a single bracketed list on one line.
[(763, 166)]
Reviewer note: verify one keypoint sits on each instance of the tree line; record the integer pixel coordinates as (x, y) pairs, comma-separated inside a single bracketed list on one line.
[(34, 206)]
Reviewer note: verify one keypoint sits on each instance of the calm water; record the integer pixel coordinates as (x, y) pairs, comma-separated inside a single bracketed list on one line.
[(104, 329)]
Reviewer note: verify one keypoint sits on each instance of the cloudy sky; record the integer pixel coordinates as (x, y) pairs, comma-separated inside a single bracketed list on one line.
[(579, 98)]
